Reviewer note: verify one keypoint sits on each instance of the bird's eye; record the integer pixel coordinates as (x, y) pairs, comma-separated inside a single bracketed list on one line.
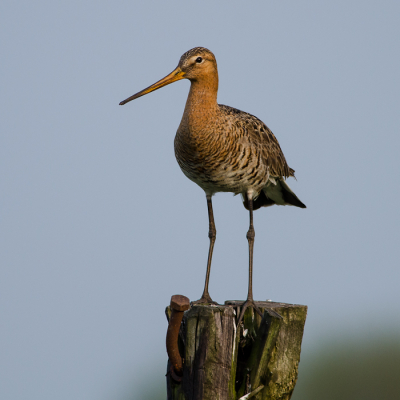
[(199, 60)]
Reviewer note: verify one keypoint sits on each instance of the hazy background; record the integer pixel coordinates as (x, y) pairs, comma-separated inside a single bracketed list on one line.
[(99, 227)]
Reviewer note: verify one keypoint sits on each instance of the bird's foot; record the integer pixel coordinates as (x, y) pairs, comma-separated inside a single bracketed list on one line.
[(248, 303), (205, 299)]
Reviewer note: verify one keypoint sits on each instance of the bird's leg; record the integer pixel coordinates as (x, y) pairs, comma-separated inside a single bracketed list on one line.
[(212, 234), (250, 237)]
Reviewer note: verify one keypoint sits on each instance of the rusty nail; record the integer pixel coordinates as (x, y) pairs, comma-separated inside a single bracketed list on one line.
[(178, 305)]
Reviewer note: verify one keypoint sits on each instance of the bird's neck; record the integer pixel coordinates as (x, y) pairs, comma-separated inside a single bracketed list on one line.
[(202, 96)]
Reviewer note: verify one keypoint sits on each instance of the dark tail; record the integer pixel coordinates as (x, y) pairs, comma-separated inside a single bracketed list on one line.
[(279, 193), (261, 201)]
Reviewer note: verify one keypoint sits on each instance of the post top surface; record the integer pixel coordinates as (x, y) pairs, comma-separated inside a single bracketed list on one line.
[(267, 304)]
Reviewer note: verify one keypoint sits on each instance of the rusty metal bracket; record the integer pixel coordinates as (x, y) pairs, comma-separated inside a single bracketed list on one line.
[(178, 305)]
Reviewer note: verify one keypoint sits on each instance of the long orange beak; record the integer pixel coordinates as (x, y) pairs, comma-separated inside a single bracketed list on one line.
[(176, 75)]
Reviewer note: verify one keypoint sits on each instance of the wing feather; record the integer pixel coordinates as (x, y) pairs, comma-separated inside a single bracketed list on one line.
[(262, 138)]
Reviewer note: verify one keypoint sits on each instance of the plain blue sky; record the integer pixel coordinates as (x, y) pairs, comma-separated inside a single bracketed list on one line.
[(99, 227)]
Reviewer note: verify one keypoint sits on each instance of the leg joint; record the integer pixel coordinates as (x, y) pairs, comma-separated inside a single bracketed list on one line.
[(251, 234), (212, 233)]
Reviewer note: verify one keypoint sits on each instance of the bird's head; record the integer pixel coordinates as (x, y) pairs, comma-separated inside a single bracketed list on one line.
[(196, 64)]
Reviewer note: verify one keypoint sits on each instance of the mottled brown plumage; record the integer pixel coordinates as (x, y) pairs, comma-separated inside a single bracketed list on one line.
[(223, 149)]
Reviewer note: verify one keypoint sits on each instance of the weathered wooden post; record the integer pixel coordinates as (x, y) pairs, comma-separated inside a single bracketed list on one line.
[(257, 360)]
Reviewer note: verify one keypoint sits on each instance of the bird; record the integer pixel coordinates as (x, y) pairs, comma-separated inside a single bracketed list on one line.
[(223, 149)]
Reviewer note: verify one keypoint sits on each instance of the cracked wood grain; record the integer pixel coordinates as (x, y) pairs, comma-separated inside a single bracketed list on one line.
[(260, 358)]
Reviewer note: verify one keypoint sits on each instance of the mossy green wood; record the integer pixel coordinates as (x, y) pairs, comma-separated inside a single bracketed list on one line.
[(258, 361)]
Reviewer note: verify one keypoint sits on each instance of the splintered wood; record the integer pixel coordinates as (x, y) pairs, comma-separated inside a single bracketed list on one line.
[(257, 360)]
